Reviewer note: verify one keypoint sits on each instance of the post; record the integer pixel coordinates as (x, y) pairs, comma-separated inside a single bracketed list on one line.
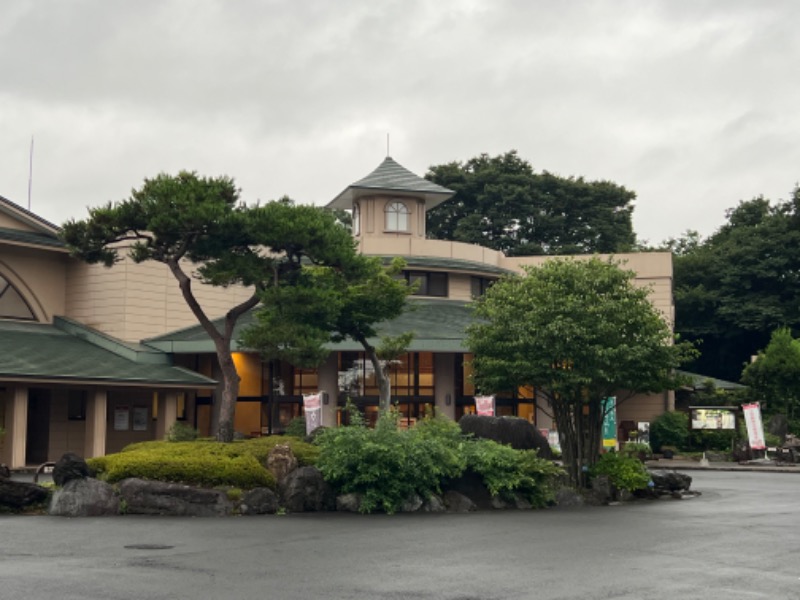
[(17, 428), (96, 424)]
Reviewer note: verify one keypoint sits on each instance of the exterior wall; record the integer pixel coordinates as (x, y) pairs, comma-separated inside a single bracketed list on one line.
[(39, 275), (9, 222), (65, 435), (116, 440), (373, 222), (132, 301)]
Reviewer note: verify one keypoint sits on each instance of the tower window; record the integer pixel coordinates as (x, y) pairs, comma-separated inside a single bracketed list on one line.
[(396, 216)]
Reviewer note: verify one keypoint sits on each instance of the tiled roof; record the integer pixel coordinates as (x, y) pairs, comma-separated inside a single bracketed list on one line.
[(439, 326), (392, 177), (14, 209), (30, 238), (38, 351)]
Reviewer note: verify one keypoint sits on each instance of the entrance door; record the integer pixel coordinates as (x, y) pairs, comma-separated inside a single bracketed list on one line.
[(38, 440)]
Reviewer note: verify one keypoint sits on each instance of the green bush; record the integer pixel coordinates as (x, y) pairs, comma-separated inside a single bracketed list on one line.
[(506, 471), (296, 428), (637, 450), (710, 439), (181, 432), (624, 472), (669, 429)]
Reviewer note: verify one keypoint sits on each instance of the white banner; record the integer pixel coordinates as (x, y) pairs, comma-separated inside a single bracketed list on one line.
[(755, 427), (312, 406), (484, 405)]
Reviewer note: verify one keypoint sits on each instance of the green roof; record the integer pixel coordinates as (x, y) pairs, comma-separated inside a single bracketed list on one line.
[(72, 353), (30, 238), (450, 264), (699, 381), (392, 177), (439, 326)]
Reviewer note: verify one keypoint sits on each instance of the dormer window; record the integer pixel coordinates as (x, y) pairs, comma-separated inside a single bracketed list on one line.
[(396, 216)]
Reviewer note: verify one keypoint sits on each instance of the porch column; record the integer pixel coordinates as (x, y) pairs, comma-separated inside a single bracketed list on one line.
[(167, 413), (96, 424), (328, 379), (444, 377), (16, 427)]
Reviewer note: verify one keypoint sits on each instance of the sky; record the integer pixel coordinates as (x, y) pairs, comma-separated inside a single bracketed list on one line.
[(692, 104)]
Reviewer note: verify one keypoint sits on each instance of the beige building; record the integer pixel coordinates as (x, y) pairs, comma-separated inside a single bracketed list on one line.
[(93, 358)]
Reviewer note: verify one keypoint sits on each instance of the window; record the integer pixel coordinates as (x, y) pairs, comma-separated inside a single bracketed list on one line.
[(12, 304), (479, 285), (396, 216), (356, 219), (428, 283), (76, 405)]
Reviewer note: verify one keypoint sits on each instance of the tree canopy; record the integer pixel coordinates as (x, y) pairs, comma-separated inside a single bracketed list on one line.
[(188, 220), (502, 203), (743, 282), (774, 376), (324, 304), (579, 331)]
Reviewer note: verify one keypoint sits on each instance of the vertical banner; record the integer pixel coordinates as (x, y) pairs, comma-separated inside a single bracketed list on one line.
[(610, 422), (312, 406), (755, 427), (484, 405)]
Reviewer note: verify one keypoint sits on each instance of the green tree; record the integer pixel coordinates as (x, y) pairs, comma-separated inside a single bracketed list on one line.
[(187, 220), (734, 288), (327, 304), (579, 331), (502, 203), (775, 374)]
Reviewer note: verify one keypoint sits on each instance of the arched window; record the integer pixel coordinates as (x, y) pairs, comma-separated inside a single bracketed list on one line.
[(356, 219), (12, 304), (396, 216)]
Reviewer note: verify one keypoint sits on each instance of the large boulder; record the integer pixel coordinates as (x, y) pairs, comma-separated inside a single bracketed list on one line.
[(471, 485), (85, 498), (17, 495), (259, 501), (349, 502), (512, 431), (666, 481), (70, 466), (305, 490), (458, 502), (281, 461), (142, 497)]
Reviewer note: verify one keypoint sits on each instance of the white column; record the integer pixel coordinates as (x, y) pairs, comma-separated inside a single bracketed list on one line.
[(96, 424), (328, 381), (444, 378), (167, 413), (17, 427)]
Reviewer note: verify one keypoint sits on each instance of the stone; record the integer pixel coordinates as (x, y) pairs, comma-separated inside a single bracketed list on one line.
[(499, 503), (665, 480), (471, 485), (412, 504), (568, 497), (305, 490), (522, 503), (281, 461), (458, 503), (86, 497), (143, 497), (518, 433), (18, 495), (602, 488), (5, 472), (349, 502), (70, 466), (433, 504), (259, 501)]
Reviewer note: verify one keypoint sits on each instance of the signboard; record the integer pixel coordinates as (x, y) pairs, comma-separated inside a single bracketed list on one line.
[(312, 406), (484, 405), (755, 427), (140, 418), (610, 422), (122, 418), (721, 417)]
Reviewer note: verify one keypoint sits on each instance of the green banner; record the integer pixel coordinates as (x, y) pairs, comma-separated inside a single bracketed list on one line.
[(610, 422)]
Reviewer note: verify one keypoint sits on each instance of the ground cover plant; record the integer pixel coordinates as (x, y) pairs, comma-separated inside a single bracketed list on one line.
[(624, 472)]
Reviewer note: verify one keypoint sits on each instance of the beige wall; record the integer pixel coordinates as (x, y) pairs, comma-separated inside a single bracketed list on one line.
[(135, 301), (40, 277), (65, 435), (373, 217), (10, 222)]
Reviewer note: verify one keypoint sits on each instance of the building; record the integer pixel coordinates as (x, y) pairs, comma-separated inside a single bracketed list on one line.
[(92, 359)]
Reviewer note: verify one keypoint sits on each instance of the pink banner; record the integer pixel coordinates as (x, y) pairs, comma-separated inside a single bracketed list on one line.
[(755, 427), (484, 405), (312, 406)]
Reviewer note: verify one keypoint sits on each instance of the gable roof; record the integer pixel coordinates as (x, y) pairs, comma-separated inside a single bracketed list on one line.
[(394, 178), (37, 232)]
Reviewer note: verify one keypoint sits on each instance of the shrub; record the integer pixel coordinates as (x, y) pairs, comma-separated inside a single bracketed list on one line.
[(669, 429), (638, 450), (624, 472), (506, 471), (296, 428), (710, 439), (181, 432)]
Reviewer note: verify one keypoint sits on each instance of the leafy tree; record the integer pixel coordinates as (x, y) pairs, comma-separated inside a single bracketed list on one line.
[(578, 331), (738, 285), (188, 220), (325, 304), (502, 203), (775, 374)]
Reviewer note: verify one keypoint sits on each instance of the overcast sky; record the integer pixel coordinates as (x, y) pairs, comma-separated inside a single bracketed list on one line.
[(692, 104)]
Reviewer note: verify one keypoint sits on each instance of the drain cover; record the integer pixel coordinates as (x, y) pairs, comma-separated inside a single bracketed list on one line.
[(148, 547)]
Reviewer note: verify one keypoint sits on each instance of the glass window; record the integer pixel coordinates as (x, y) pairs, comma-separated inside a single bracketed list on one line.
[(428, 283), (76, 405), (356, 219), (396, 216), (479, 285), (12, 304)]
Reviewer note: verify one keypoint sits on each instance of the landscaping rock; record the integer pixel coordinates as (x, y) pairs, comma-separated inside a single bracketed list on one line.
[(669, 481), (144, 497), (458, 502), (304, 489), (568, 497), (281, 461), (84, 498), (17, 495), (349, 503), (521, 503), (499, 503), (412, 504), (434, 504), (471, 485), (518, 433), (70, 466), (259, 501), (5, 472)]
